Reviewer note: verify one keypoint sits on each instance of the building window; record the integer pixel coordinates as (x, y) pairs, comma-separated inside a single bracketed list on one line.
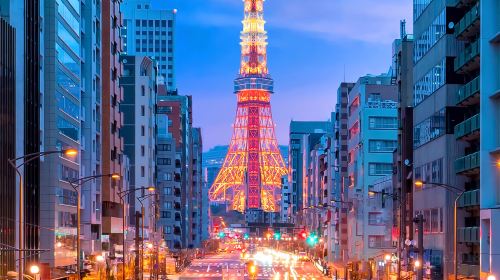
[(430, 37), (168, 191), (143, 150), (428, 84), (164, 161), (143, 171), (379, 169), (375, 219), (430, 129), (143, 91), (382, 146), (164, 147), (143, 110), (379, 242), (168, 229), (168, 205), (143, 130), (383, 122)]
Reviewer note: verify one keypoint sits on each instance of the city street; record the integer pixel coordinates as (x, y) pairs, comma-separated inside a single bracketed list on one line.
[(232, 266)]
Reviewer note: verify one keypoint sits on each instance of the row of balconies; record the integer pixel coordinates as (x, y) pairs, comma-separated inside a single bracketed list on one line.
[(468, 92), (469, 24), (468, 234), (468, 129), (468, 60), (468, 163), (469, 199)]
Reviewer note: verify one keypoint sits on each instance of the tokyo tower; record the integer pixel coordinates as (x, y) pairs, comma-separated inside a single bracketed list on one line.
[(250, 177)]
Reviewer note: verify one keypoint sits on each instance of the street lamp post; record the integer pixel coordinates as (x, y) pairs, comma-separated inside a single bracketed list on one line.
[(13, 162), (458, 192), (76, 184), (122, 195), (141, 200)]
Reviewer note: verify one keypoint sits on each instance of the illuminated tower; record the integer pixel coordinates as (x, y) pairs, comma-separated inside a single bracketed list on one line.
[(250, 177)]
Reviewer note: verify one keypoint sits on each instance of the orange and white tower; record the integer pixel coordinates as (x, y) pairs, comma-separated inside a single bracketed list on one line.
[(250, 177)]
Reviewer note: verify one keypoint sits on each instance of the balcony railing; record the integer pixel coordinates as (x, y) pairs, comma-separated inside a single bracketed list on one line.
[(468, 90), (470, 53), (469, 199), (467, 127), (467, 163), (468, 234), (469, 19)]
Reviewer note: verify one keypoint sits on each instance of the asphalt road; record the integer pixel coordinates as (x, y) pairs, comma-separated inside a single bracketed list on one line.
[(229, 266)]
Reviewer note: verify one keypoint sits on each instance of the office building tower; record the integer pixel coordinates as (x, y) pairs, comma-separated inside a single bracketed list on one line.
[(150, 32), (7, 144), (168, 183), (178, 109), (371, 140), (402, 59), (338, 249), (441, 67), (197, 186), (304, 135), (139, 135), (112, 119), (24, 17), (67, 82)]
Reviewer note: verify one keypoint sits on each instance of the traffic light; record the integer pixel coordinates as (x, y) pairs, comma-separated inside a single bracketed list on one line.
[(277, 235), (246, 236), (312, 239), (303, 234)]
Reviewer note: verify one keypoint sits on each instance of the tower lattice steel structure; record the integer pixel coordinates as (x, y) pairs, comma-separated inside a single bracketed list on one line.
[(250, 177)]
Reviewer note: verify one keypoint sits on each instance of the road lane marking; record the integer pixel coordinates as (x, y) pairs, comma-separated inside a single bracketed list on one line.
[(208, 268)]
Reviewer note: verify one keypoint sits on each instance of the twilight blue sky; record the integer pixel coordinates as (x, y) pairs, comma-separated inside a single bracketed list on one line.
[(310, 41)]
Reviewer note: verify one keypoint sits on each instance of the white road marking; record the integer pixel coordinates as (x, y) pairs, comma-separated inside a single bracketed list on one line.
[(208, 268)]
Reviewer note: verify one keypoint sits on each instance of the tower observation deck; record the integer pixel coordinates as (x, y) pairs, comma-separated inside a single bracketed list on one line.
[(250, 177)]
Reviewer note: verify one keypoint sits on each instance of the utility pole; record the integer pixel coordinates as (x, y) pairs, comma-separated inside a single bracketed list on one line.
[(138, 216), (419, 220)]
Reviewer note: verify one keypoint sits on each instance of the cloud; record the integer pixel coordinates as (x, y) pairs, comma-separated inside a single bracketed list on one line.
[(370, 21)]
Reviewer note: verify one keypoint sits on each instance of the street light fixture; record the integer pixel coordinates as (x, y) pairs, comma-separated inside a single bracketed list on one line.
[(76, 184), (26, 159), (491, 277), (458, 192), (34, 269)]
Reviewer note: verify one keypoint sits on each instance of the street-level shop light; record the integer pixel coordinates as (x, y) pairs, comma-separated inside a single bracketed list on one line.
[(34, 269), (491, 277)]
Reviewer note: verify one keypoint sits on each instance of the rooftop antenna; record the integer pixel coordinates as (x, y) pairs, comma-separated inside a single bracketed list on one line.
[(344, 72)]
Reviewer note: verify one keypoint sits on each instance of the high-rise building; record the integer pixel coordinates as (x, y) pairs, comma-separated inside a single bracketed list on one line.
[(489, 134), (139, 134), (197, 187), (250, 176), (112, 143), (150, 32), (371, 139), (69, 78), (178, 108), (7, 144), (304, 135), (337, 243), (168, 183), (402, 59), (442, 64), (24, 17)]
